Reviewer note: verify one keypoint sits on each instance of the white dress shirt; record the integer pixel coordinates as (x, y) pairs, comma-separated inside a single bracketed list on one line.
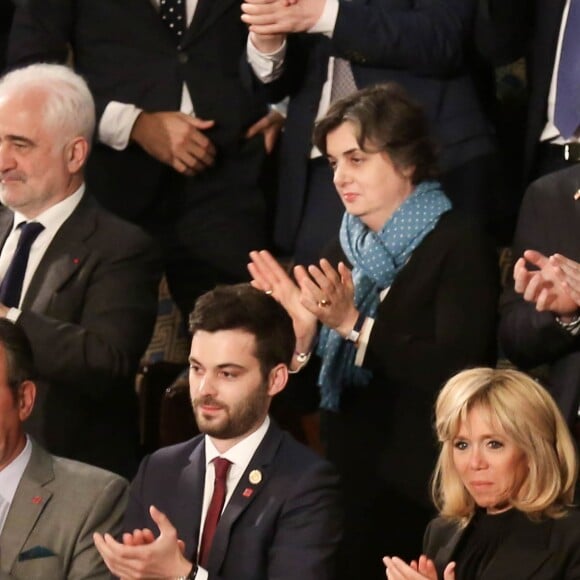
[(240, 456), (10, 478), (52, 219), (118, 118)]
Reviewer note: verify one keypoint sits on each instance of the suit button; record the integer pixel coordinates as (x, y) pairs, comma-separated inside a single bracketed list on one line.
[(182, 57)]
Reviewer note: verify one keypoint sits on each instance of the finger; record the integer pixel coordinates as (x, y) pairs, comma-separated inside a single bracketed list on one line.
[(536, 258), (128, 539), (346, 276), (329, 271), (258, 127), (572, 292), (569, 268), (533, 288), (449, 572), (521, 276), (199, 123)]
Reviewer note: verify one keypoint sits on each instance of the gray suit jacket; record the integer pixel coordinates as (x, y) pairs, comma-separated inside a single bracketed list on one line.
[(58, 505), (89, 313)]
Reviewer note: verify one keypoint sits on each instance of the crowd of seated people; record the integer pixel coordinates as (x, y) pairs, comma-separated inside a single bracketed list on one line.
[(145, 154)]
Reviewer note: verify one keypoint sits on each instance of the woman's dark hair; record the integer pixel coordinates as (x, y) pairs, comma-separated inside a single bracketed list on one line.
[(385, 119)]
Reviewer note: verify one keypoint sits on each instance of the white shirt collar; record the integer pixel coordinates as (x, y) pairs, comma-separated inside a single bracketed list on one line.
[(241, 453), (53, 217)]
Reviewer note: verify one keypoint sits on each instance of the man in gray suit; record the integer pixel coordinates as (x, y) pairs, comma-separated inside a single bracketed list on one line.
[(49, 506), (85, 292)]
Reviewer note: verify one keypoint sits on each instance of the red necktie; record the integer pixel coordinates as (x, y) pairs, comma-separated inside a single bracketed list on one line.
[(214, 511)]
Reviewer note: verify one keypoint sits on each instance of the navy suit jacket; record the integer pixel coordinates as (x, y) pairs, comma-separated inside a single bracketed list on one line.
[(420, 44), (546, 550), (287, 526), (549, 222), (89, 313), (509, 29)]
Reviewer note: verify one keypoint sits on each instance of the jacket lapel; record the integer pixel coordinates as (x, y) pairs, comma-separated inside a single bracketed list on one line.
[(6, 221), (189, 492), (66, 253), (28, 504), (253, 482)]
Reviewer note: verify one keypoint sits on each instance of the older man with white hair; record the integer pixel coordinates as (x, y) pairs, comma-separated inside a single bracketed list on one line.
[(81, 283)]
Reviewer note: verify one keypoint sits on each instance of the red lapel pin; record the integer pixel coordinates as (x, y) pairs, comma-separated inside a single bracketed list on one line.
[(247, 492), (36, 499)]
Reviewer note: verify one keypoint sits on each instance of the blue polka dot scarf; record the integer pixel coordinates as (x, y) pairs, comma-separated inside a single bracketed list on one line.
[(377, 258)]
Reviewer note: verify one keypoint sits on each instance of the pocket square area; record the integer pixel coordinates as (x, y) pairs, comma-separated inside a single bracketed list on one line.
[(36, 552)]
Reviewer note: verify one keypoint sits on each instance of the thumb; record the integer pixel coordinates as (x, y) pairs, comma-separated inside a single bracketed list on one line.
[(161, 520), (449, 572)]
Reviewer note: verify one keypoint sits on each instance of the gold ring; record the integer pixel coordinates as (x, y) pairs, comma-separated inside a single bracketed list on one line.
[(269, 292), (324, 303)]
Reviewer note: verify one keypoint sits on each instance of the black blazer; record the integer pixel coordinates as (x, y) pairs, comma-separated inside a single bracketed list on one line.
[(547, 550), (420, 44), (286, 526), (438, 318), (89, 313), (126, 54), (549, 222)]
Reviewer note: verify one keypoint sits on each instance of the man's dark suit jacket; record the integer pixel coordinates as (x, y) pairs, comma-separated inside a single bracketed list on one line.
[(548, 550), (127, 54), (89, 313), (419, 44), (286, 526), (509, 29), (549, 222)]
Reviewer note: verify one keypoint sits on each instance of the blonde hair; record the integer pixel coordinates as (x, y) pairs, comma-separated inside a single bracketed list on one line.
[(528, 415)]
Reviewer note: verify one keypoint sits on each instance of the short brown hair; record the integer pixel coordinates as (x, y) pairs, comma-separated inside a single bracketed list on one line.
[(241, 307), (385, 119)]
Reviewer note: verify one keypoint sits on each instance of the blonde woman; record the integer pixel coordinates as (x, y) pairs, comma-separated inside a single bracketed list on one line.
[(503, 484)]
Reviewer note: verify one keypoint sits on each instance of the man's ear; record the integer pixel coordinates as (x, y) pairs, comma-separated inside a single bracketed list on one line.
[(77, 151), (277, 379), (26, 398)]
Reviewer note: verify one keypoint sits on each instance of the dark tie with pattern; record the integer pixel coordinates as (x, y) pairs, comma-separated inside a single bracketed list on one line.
[(214, 511), (567, 107), (343, 83), (172, 13), (11, 286)]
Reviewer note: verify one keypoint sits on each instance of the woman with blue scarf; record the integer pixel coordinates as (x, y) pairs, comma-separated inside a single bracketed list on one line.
[(406, 298)]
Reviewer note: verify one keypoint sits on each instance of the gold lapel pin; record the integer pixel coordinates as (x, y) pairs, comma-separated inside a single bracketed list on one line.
[(577, 195), (255, 476)]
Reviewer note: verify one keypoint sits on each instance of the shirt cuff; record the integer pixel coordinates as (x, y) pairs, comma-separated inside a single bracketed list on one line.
[(573, 327), (267, 67), (327, 21), (363, 341), (13, 314), (202, 574), (117, 123)]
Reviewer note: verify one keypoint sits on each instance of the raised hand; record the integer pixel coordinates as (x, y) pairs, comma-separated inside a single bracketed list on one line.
[(140, 556), (328, 294), (269, 276), (570, 275), (423, 569), (544, 287)]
